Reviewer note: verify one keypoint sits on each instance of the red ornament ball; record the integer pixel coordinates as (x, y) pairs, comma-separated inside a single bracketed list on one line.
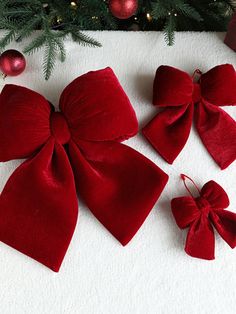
[(123, 9), (12, 62)]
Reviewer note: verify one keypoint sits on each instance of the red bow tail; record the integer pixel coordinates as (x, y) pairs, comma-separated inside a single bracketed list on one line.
[(168, 132), (225, 223), (217, 131), (200, 240), (119, 185), (37, 216)]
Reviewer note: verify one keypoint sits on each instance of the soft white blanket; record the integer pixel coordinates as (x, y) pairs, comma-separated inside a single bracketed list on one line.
[(152, 274)]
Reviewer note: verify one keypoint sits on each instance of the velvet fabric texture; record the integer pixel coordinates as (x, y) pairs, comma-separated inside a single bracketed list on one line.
[(182, 99), (230, 38), (78, 147), (200, 214)]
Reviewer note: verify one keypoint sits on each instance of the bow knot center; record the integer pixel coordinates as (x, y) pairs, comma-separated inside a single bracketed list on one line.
[(196, 93), (203, 205), (59, 128)]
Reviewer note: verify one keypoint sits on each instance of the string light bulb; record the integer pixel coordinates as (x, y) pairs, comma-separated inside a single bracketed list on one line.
[(149, 17), (73, 4), (59, 20), (171, 13)]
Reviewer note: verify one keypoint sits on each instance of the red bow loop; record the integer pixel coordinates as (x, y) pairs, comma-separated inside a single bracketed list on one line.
[(215, 195), (24, 122), (97, 108), (218, 85), (172, 87), (185, 211)]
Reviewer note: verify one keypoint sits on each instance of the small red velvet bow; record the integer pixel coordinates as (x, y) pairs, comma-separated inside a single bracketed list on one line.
[(175, 91), (199, 214), (80, 144)]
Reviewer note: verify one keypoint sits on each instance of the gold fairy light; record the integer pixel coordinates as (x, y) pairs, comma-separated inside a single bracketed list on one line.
[(172, 13), (149, 17), (73, 4), (59, 20)]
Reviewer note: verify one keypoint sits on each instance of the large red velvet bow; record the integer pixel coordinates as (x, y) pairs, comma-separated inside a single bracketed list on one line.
[(80, 144), (199, 214), (175, 91)]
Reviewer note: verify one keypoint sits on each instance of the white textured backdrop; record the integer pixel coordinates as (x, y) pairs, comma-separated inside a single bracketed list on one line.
[(152, 274)]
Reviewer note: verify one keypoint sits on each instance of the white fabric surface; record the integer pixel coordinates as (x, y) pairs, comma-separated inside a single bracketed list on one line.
[(152, 274)]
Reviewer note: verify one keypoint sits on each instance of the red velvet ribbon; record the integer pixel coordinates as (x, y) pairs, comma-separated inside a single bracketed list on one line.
[(200, 214), (76, 147), (230, 38), (181, 99)]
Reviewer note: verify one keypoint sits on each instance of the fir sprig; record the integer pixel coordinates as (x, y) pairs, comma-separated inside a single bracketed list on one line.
[(170, 10), (188, 15)]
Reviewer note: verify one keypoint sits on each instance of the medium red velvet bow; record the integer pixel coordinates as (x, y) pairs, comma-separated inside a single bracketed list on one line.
[(230, 38), (199, 214), (80, 144), (175, 91)]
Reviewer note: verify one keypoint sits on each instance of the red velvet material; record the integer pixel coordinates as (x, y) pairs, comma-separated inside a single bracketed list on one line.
[(77, 147), (230, 38), (181, 99), (200, 214)]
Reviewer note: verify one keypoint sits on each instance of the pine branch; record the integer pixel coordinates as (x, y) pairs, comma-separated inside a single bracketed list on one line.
[(27, 29), (190, 12), (49, 58), (159, 12), (83, 39), (169, 30), (35, 44), (17, 12), (8, 23), (61, 48), (7, 39)]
